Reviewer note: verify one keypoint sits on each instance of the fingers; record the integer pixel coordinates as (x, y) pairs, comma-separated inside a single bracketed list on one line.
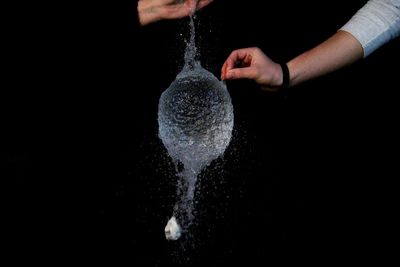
[(203, 3), (174, 9), (241, 73), (241, 56), (192, 5), (228, 65)]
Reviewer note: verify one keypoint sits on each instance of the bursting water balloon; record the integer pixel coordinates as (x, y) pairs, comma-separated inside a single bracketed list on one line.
[(195, 119)]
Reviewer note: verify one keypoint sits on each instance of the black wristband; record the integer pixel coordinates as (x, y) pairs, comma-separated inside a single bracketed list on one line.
[(285, 76)]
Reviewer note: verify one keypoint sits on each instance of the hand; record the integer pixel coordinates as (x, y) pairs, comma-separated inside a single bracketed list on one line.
[(252, 63), (154, 10)]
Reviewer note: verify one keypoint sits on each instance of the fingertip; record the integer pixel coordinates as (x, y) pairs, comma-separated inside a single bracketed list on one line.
[(203, 4), (229, 75), (225, 76)]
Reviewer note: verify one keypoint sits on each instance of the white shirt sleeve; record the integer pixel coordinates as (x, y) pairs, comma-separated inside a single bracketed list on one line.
[(375, 24)]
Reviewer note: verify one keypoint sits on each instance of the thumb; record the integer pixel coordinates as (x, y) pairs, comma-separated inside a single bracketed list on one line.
[(241, 73)]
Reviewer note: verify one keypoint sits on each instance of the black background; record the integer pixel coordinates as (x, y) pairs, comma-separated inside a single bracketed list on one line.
[(308, 178)]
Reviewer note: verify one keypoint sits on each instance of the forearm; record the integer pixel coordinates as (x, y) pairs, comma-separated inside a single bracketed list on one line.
[(336, 52), (373, 25)]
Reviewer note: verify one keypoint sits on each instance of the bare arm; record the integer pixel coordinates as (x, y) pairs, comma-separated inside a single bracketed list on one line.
[(336, 52), (251, 63), (373, 25)]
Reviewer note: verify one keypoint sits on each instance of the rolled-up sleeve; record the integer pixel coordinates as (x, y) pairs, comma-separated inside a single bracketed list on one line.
[(375, 24)]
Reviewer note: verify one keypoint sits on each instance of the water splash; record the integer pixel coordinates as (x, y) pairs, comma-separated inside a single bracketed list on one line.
[(195, 120)]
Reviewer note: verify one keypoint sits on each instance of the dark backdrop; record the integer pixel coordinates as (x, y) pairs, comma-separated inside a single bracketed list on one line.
[(308, 174)]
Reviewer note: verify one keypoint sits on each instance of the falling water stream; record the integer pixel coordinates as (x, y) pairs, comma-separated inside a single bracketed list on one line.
[(195, 118)]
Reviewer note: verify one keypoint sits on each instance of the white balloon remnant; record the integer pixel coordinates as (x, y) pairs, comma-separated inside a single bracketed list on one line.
[(172, 229)]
